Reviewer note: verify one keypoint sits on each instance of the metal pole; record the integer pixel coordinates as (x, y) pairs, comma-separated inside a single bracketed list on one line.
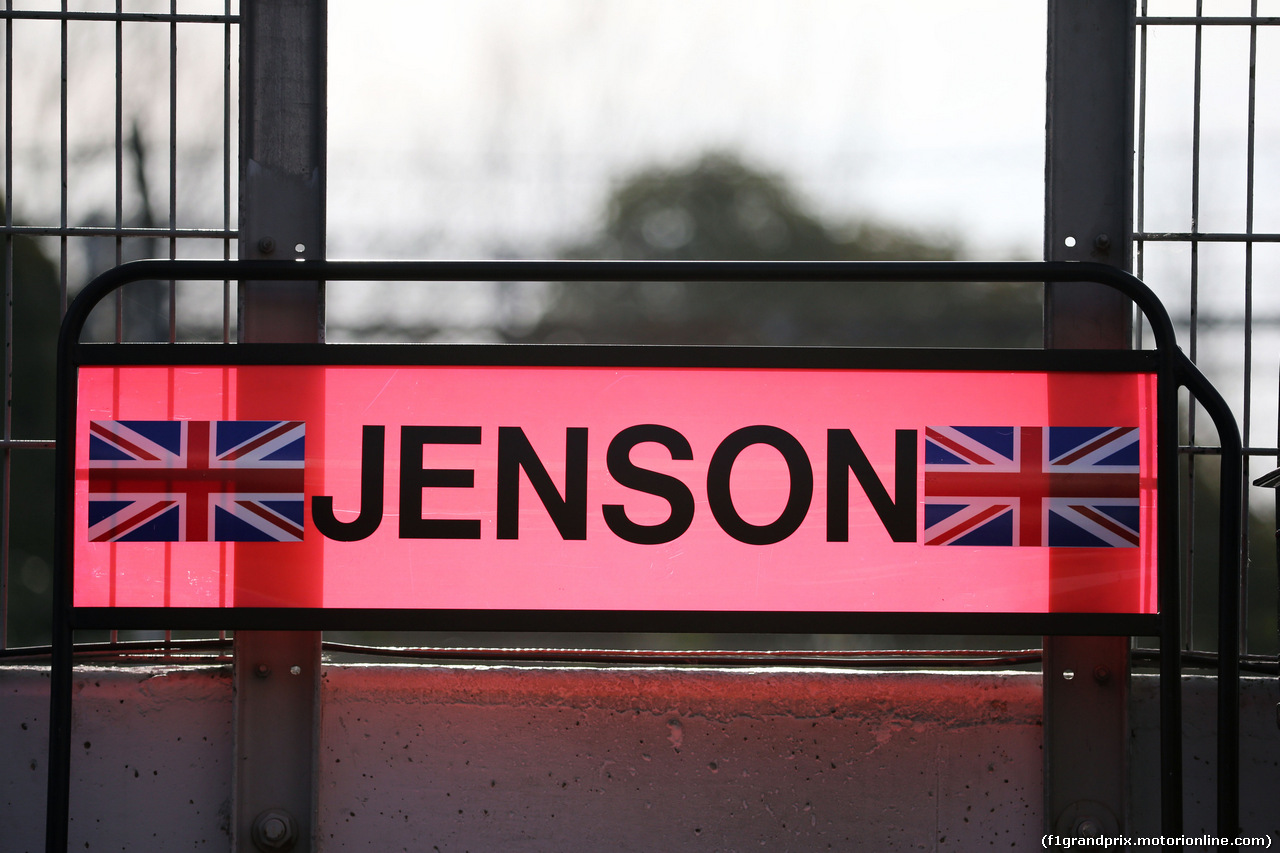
[(282, 216), (1088, 203)]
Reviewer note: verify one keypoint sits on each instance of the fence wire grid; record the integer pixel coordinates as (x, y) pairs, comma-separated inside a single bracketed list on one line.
[(121, 128)]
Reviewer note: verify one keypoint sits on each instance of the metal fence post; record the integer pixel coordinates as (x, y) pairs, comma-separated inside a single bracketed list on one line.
[(282, 216), (1088, 213)]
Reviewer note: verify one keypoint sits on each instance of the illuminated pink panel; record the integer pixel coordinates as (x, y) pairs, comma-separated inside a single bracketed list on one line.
[(722, 456)]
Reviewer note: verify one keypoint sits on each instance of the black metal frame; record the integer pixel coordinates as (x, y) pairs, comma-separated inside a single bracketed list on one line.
[(1172, 368)]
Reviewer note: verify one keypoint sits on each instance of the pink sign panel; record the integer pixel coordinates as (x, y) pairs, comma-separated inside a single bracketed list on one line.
[(605, 488)]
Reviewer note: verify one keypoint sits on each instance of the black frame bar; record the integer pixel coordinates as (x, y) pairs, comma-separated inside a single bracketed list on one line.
[(1173, 371), (612, 621), (615, 355)]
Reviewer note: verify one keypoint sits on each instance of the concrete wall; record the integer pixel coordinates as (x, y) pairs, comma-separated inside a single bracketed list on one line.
[(493, 758)]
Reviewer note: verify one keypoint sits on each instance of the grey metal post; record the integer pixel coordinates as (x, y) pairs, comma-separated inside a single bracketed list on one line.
[(282, 216), (1088, 213)]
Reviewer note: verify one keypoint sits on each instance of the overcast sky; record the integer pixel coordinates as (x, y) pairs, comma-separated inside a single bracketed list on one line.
[(498, 125)]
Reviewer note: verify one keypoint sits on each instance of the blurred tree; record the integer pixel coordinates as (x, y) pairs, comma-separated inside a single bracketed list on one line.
[(35, 312), (143, 312), (719, 208)]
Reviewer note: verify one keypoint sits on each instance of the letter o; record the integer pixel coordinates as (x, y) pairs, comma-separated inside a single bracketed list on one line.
[(721, 499)]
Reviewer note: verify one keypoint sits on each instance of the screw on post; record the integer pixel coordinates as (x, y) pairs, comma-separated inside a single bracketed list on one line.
[(274, 829)]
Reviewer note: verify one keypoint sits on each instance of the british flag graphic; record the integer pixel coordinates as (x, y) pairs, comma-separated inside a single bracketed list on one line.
[(1070, 487), (196, 481)]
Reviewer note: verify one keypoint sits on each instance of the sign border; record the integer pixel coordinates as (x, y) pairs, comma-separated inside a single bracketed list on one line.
[(610, 356), (1172, 369)]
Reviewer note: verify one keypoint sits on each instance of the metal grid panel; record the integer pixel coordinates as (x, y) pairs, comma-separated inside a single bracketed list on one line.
[(1205, 130), (89, 145), (119, 143)]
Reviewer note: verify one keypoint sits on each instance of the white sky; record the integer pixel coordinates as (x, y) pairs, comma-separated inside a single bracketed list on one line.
[(498, 125)]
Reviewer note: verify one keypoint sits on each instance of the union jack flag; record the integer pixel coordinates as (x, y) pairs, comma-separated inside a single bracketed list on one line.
[(1050, 486), (196, 481)]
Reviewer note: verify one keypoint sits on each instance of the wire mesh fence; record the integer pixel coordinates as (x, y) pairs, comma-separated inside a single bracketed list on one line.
[(121, 127), (1205, 129), (120, 144)]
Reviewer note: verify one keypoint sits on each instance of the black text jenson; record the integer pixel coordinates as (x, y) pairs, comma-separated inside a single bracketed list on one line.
[(566, 502)]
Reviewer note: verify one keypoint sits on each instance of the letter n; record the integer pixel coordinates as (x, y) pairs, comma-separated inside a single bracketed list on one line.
[(568, 512), (897, 514)]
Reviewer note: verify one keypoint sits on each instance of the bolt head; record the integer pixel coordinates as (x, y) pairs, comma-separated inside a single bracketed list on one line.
[(1088, 827), (274, 829)]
